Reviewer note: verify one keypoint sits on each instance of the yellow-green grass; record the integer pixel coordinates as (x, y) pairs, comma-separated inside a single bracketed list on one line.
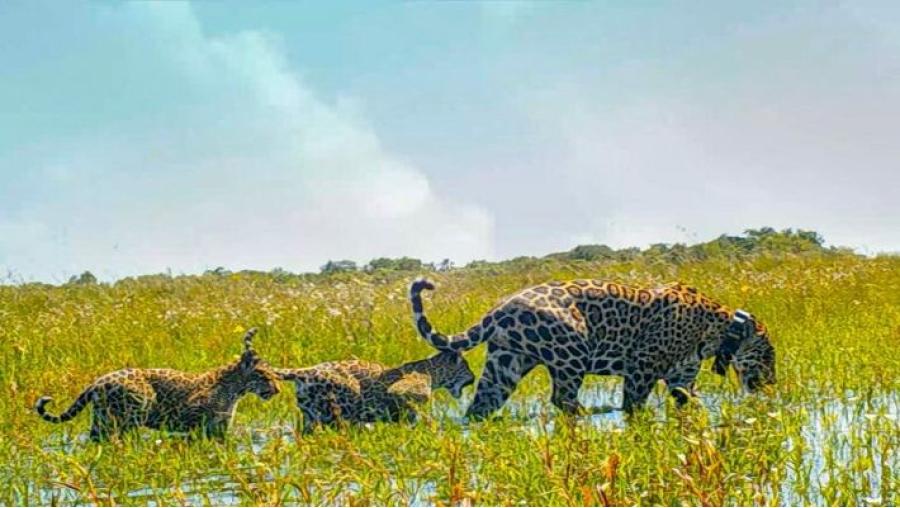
[(827, 434)]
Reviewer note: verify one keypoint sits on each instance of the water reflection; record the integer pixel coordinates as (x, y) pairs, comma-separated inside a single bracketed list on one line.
[(831, 435)]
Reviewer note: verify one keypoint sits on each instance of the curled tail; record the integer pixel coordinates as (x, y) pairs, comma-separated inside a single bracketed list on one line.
[(248, 339), (457, 343), (70, 413)]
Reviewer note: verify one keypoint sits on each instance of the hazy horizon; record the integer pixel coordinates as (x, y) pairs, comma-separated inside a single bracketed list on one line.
[(141, 137)]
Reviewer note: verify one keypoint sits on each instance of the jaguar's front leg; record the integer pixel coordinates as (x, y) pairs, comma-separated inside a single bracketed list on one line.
[(216, 427), (637, 390), (680, 381)]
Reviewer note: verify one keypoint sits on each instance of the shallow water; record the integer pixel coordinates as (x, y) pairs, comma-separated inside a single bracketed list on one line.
[(842, 419), (832, 422)]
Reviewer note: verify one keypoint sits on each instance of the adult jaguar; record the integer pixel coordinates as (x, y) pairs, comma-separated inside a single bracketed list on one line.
[(169, 399), (594, 327), (359, 391)]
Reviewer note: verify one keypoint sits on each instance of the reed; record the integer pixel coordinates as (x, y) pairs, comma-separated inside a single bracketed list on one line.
[(827, 434)]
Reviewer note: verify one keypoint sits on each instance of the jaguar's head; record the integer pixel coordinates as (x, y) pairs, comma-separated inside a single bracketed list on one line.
[(256, 375), (747, 347), (450, 370)]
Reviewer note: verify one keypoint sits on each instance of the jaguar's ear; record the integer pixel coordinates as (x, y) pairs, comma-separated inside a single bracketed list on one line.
[(740, 327)]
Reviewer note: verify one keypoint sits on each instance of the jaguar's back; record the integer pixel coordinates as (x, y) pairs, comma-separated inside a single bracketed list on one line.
[(360, 391)]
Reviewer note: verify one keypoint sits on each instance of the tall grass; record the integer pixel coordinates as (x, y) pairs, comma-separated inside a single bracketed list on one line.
[(827, 434)]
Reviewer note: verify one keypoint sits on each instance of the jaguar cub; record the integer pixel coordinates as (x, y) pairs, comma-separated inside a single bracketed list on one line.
[(359, 391), (169, 399)]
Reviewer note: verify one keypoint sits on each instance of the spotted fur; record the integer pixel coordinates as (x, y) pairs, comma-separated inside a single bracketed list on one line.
[(169, 399), (594, 327), (358, 391)]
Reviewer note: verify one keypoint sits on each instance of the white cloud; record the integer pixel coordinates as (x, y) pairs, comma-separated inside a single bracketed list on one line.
[(256, 171), (203, 150), (669, 172), (793, 134)]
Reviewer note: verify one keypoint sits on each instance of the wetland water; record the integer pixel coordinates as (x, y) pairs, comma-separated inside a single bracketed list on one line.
[(839, 440)]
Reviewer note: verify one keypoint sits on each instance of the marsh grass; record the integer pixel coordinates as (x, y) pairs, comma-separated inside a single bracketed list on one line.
[(827, 434)]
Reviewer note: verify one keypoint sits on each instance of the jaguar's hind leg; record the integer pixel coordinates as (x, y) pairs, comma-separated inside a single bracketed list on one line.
[(103, 424), (311, 420), (502, 372), (566, 386)]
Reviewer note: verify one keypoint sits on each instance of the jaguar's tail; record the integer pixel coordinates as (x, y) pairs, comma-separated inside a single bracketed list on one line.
[(457, 343), (83, 400)]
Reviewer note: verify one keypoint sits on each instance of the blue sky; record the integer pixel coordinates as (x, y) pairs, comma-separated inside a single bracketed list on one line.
[(140, 137)]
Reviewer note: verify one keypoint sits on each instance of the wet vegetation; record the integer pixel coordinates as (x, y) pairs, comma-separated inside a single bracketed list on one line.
[(827, 434)]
